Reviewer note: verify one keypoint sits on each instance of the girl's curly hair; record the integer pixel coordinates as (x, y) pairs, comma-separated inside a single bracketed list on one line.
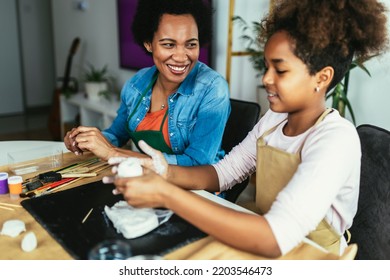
[(149, 12), (330, 32)]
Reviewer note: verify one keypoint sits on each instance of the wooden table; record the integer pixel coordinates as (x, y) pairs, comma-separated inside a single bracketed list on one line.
[(48, 248)]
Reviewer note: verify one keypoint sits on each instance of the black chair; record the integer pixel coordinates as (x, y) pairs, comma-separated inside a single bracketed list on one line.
[(243, 117), (371, 226)]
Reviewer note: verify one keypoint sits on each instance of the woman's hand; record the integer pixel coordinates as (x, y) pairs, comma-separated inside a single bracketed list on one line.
[(157, 162), (84, 138), (71, 143)]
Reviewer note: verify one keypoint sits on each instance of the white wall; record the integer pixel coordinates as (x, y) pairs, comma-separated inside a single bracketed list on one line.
[(370, 97), (37, 51), (26, 55), (11, 94), (97, 28)]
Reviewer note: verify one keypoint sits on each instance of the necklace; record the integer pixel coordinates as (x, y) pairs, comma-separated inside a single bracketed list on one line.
[(162, 106)]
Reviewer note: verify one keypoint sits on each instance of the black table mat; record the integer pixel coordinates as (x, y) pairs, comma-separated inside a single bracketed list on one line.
[(61, 214)]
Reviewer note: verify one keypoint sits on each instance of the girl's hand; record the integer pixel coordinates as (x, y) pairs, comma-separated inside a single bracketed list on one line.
[(148, 190), (156, 163)]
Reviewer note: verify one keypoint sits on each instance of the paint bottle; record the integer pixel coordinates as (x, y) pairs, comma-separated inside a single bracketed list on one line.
[(3, 182), (15, 186)]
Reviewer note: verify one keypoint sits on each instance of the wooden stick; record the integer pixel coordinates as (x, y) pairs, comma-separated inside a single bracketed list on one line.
[(91, 163), (102, 168), (76, 170), (7, 208), (97, 166), (11, 205), (106, 165), (78, 165), (76, 175), (86, 216)]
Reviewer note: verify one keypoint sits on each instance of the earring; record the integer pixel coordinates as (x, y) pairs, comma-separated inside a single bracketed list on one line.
[(317, 89)]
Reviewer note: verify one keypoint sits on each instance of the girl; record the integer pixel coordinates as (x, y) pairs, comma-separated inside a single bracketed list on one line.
[(306, 157)]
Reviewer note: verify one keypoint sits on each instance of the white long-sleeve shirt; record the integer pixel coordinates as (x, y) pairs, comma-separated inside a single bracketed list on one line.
[(326, 183)]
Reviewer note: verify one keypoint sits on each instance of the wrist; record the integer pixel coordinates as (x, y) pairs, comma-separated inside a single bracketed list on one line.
[(169, 174), (112, 152), (168, 193)]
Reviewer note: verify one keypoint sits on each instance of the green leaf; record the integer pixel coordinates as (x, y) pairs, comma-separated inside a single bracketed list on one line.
[(93, 74), (253, 46), (365, 69), (349, 106)]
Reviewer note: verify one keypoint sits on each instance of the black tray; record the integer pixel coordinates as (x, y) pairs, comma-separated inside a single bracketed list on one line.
[(61, 214)]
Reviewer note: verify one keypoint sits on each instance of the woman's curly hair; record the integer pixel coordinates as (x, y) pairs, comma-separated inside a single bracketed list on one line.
[(330, 32), (149, 12)]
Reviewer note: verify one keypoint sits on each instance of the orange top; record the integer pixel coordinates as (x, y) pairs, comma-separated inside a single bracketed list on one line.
[(152, 121)]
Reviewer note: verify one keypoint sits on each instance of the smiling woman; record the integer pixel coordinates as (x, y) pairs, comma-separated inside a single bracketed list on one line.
[(174, 104), (132, 55)]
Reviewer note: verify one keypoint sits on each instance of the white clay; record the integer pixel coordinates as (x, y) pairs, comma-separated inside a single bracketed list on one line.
[(131, 222), (130, 167), (157, 163), (29, 242), (13, 228)]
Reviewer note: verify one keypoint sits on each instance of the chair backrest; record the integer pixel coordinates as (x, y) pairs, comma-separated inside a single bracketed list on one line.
[(371, 225), (243, 117)]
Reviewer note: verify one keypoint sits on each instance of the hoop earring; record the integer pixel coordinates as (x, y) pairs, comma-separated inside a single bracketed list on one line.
[(317, 89)]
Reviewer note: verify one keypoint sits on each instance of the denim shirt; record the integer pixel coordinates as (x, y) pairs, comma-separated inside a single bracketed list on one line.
[(198, 113)]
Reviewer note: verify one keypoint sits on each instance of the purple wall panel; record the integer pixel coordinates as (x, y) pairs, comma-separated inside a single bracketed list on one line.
[(131, 55)]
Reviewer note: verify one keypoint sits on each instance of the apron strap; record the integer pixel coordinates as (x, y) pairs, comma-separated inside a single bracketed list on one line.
[(320, 119), (272, 129), (268, 132), (163, 120), (348, 233), (140, 99)]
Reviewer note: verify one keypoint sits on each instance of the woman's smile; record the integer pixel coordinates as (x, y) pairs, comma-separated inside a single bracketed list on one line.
[(178, 70)]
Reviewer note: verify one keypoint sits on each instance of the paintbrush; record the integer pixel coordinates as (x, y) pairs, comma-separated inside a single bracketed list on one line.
[(66, 184), (60, 186)]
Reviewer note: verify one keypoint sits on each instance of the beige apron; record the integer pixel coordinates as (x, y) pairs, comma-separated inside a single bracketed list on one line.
[(274, 170), (209, 248)]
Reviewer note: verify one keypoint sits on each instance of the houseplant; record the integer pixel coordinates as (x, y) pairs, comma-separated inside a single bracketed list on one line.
[(96, 82), (254, 47), (339, 94)]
